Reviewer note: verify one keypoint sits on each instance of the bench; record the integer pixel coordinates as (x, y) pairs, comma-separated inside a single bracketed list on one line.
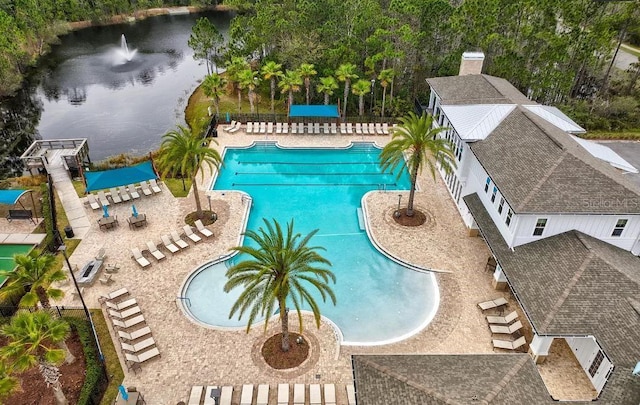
[(20, 214)]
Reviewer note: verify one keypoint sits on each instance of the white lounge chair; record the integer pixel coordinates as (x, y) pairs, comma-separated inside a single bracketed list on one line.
[(137, 256), (155, 187), (351, 394), (145, 188), (232, 124), (298, 394), (123, 194), (106, 279), (188, 231), (365, 128), (122, 305), (138, 347), (334, 128), (127, 313), (178, 241), (142, 357), (379, 129), (133, 191), (93, 203), (136, 334), (102, 254), (283, 394), (503, 320), (225, 396), (128, 323), (325, 128), (235, 128), (343, 128), (114, 196), (246, 397), (113, 295), (349, 128), (358, 128), (309, 128), (263, 127), (330, 394), (153, 249), (103, 198), (202, 229), (316, 128), (249, 127), (269, 127), (166, 241), (263, 394), (315, 395), (372, 128), (278, 127), (385, 128), (504, 329), (285, 128), (498, 302), (208, 399), (294, 128), (509, 345), (196, 395)]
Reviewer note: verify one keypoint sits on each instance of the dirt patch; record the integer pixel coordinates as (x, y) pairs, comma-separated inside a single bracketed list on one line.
[(34, 390), (418, 218), (276, 358)]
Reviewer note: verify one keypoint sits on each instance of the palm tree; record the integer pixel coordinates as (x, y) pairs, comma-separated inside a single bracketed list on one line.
[(249, 81), (327, 85), (290, 83), (417, 137), (272, 71), (386, 78), (34, 274), (360, 89), (182, 152), (213, 87), (8, 383), (280, 267), (234, 67), (307, 71), (37, 339), (346, 73)]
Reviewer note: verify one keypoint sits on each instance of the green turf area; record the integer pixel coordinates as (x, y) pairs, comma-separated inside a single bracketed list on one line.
[(6, 256)]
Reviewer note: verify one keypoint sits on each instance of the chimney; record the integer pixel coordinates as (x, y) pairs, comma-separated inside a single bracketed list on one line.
[(471, 63)]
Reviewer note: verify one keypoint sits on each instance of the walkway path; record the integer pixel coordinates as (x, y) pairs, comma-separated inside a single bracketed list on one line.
[(624, 59)]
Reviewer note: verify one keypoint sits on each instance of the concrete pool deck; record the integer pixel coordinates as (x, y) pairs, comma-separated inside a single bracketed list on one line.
[(192, 355)]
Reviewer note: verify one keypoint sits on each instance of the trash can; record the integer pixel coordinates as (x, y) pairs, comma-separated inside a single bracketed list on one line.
[(68, 232)]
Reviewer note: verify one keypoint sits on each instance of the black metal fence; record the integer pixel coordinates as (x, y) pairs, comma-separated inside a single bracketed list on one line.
[(268, 117)]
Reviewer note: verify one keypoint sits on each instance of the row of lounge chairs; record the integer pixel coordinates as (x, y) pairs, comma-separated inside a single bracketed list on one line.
[(122, 194), (503, 325), (317, 395), (125, 314), (173, 242), (311, 128)]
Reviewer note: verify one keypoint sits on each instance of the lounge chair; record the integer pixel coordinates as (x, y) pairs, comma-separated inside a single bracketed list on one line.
[(136, 334), (232, 124), (113, 295), (123, 194), (102, 198), (507, 330), (385, 128), (225, 396), (263, 127), (351, 394), (127, 313), (208, 399), (178, 241), (114, 196), (188, 231), (298, 394), (249, 127), (509, 345), (365, 128), (166, 241), (372, 128), (128, 323), (122, 305), (137, 255), (278, 127), (93, 203), (202, 229), (153, 249), (102, 254), (315, 395), (330, 394), (196, 395), (142, 357), (309, 128), (349, 128), (133, 191), (283, 394), (316, 128), (343, 128), (334, 128), (379, 129), (269, 127), (145, 188), (503, 320), (285, 128), (294, 128), (358, 128), (325, 128), (138, 347), (106, 279), (263, 394), (246, 396), (155, 187), (235, 128), (498, 302)]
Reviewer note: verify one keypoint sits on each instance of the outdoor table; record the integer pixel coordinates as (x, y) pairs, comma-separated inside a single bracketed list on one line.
[(135, 398), (108, 222), (139, 221)]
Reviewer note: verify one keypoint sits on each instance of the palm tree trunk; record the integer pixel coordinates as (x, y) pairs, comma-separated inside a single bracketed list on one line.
[(361, 105), (346, 94), (412, 193), (196, 194), (42, 296), (251, 101), (284, 319), (216, 101), (326, 98), (384, 98), (290, 97), (239, 100), (273, 95), (59, 395), (307, 83), (68, 356)]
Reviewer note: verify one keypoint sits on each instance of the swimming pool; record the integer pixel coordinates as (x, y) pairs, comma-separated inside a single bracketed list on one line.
[(378, 300)]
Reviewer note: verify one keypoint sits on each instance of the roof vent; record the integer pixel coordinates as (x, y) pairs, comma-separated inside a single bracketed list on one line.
[(636, 370)]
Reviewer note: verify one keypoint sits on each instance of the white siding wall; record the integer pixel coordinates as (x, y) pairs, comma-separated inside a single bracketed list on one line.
[(585, 349), (598, 226)]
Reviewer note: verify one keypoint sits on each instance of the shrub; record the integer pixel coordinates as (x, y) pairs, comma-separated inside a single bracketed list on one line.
[(95, 378)]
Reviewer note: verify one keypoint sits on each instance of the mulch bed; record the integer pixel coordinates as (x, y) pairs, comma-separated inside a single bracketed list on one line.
[(276, 358), (418, 218), (34, 390)]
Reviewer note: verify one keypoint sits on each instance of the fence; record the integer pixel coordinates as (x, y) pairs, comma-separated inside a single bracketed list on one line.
[(225, 118)]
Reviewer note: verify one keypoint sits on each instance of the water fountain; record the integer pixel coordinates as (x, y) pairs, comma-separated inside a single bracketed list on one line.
[(124, 54)]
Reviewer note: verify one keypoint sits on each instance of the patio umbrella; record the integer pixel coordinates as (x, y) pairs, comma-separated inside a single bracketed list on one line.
[(105, 209), (123, 392), (135, 211)]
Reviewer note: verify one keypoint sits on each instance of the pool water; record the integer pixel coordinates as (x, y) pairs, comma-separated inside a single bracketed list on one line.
[(378, 300)]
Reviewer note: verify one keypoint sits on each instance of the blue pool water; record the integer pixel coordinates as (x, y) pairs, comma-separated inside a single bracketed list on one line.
[(377, 299)]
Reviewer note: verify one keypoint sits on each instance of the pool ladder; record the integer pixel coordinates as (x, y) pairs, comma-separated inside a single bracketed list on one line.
[(184, 299), (382, 187)]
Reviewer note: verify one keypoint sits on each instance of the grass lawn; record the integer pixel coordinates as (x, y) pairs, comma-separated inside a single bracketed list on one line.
[(176, 187), (114, 370), (610, 136)]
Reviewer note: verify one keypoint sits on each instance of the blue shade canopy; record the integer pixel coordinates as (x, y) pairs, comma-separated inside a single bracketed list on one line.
[(11, 196), (318, 111), (119, 177)]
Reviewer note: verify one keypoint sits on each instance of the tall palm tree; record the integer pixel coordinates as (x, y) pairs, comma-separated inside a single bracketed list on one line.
[(307, 71), (417, 138), (249, 81), (272, 71), (346, 73), (279, 268), (236, 65), (213, 87), (182, 152), (360, 89), (290, 83), (327, 85), (34, 274), (386, 78), (37, 339)]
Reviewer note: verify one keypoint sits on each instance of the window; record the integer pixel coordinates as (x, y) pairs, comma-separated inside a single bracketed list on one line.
[(509, 215), (595, 365), (486, 185), (540, 224), (617, 231), (501, 205), (493, 194)]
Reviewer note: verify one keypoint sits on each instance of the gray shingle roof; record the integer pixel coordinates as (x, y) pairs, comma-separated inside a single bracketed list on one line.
[(448, 379), (572, 284), (476, 89)]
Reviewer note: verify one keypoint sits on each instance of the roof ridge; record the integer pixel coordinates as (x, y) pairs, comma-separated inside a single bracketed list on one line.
[(505, 380)]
